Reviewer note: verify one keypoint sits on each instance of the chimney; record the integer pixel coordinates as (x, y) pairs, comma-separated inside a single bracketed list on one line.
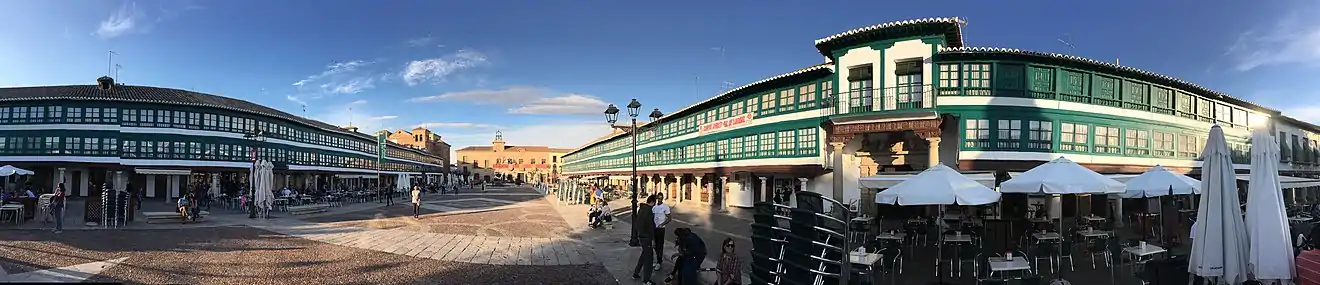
[(105, 83)]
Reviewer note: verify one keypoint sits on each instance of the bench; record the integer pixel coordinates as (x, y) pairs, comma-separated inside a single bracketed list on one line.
[(169, 217), (308, 209)]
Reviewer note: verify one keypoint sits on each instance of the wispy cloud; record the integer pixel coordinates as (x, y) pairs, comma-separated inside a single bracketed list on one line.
[(123, 21), (420, 42), (295, 99), (352, 86), (354, 113), (436, 70), (1293, 39), (526, 100), (456, 125), (130, 19), (334, 69), (382, 118)]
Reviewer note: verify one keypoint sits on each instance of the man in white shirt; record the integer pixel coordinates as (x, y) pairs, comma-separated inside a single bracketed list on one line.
[(662, 218), (417, 201)]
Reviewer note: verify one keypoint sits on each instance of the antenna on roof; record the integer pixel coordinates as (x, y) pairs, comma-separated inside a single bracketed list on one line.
[(723, 66), (117, 68), (110, 63), (1068, 42), (304, 107)]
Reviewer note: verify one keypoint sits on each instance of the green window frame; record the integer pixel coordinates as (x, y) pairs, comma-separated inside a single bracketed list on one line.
[(1008, 134), (1074, 137), (976, 133), (1136, 142), (1040, 135), (1107, 140)]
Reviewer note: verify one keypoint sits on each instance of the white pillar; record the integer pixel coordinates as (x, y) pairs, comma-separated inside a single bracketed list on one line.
[(793, 198), (765, 192), (933, 158), (173, 187), (119, 181), (1117, 214), (722, 191), (61, 178), (151, 186), (837, 158), (83, 184)]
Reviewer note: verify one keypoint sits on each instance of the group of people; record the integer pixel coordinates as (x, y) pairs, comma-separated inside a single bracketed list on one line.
[(691, 249)]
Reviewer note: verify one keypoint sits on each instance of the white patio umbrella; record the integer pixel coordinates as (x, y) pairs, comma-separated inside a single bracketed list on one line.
[(1219, 243), (1061, 176), (1267, 227), (1159, 181), (262, 184), (939, 185), (8, 170)]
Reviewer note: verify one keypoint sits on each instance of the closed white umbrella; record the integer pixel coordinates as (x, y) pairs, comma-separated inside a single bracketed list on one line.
[(1159, 181), (1267, 225), (1061, 176), (939, 185), (1219, 243)]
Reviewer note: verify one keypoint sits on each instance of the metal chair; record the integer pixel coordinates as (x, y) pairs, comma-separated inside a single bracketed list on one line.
[(1066, 251), (1099, 247), (1043, 251)]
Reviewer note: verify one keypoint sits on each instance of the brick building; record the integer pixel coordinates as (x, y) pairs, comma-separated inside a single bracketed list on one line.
[(515, 163)]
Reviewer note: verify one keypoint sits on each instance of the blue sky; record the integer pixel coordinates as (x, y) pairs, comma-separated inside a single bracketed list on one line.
[(541, 71)]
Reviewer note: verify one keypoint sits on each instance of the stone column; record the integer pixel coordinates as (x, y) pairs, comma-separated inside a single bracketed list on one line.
[(119, 181), (1117, 214), (793, 198), (721, 191), (60, 179), (837, 154), (765, 192), (151, 186), (933, 158)]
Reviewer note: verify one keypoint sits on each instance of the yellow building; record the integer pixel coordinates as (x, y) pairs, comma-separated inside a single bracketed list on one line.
[(515, 163)]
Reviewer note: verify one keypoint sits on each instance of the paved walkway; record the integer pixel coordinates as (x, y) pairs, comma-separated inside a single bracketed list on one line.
[(611, 245), (448, 247)]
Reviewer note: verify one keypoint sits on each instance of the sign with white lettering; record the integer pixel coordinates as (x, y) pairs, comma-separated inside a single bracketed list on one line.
[(726, 124)]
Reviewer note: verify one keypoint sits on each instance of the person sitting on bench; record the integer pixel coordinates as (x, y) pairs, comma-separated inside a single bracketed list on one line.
[(188, 208)]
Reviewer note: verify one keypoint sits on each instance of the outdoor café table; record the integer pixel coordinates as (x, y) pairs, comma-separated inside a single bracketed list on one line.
[(1047, 236), (890, 236), (999, 265), (1298, 219), (861, 257), (16, 208), (1092, 233), (1093, 218), (862, 219), (954, 238), (1142, 254), (916, 221)]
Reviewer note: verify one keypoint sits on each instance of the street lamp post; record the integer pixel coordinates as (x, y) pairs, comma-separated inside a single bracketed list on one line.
[(256, 136), (612, 116)]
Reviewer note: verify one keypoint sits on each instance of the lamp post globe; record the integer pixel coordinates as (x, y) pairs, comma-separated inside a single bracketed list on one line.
[(633, 107)]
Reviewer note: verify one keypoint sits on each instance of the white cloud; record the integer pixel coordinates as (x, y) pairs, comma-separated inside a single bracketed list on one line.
[(455, 125), (352, 86), (295, 99), (382, 118), (420, 42), (333, 69), (526, 100), (1295, 38), (121, 22), (436, 70), (129, 19)]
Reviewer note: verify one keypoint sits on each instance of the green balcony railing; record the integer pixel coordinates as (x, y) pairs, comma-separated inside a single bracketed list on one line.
[(879, 100)]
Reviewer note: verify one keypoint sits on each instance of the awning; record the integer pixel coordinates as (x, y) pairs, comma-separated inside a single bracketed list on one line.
[(1288, 182), (885, 181), (353, 176), (154, 171)]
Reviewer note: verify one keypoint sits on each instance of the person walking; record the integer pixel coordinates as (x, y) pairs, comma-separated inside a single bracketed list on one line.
[(417, 201), (389, 195), (645, 237), (661, 213), (57, 208)]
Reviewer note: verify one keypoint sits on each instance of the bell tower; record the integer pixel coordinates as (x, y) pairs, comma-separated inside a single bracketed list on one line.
[(498, 144)]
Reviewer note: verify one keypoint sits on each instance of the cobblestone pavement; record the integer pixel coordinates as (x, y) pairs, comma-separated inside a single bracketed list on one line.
[(245, 255), (491, 216)]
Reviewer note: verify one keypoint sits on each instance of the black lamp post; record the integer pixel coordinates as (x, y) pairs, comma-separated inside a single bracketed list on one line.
[(256, 136), (612, 116)]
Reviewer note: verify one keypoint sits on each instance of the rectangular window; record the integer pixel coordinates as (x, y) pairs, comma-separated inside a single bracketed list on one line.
[(785, 141), (1009, 134), (1073, 137), (976, 133), (1188, 146), (786, 100), (807, 97), (806, 143), (909, 88), (1041, 136), (1164, 144), (767, 145), (949, 75), (768, 103), (92, 115), (1136, 142), (861, 87), (1107, 140)]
